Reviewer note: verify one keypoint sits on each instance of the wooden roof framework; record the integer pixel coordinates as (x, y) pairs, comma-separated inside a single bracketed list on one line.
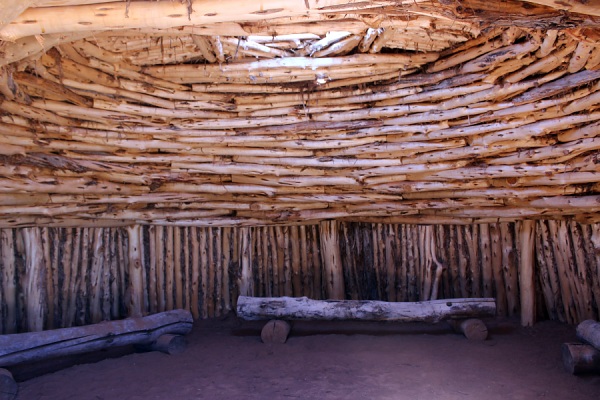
[(382, 111)]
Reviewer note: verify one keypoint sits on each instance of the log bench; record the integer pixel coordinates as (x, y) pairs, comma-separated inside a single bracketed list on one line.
[(462, 313), (161, 332)]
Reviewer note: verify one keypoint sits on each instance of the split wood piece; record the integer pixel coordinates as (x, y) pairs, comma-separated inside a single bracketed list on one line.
[(168, 344), (34, 346), (580, 358), (275, 331), (473, 328), (303, 308), (589, 332), (8, 386)]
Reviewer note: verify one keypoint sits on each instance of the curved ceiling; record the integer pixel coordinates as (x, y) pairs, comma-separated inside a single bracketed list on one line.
[(371, 111)]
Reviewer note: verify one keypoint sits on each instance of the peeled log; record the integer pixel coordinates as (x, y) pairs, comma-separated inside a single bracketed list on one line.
[(275, 331), (580, 358), (303, 308), (8, 386), (33, 346), (589, 332)]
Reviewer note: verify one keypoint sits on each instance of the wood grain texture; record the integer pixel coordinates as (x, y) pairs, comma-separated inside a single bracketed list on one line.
[(32, 346), (303, 308)]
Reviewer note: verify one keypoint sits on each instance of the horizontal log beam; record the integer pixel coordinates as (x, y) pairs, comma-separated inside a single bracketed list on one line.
[(582, 7), (303, 308), (165, 14)]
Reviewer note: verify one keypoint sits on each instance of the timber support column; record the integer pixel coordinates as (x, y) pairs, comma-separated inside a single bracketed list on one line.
[(526, 272), (136, 273), (246, 282), (34, 279), (332, 260)]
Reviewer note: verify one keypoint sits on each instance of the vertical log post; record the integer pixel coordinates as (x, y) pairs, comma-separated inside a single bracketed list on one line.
[(9, 280), (246, 283), (34, 279), (226, 261), (332, 260), (136, 281), (526, 272)]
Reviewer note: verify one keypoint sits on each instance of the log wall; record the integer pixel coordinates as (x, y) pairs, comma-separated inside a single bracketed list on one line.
[(60, 277)]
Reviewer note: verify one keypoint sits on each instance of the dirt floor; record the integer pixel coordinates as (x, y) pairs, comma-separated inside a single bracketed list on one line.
[(225, 359)]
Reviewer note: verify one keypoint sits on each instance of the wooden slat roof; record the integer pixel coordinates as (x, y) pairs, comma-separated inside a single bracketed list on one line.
[(421, 112)]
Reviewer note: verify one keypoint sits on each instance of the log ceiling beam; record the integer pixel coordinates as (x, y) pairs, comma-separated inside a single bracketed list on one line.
[(167, 14), (11, 9), (54, 17), (588, 7)]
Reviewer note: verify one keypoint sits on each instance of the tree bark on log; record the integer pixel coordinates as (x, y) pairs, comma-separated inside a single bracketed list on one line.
[(303, 308), (580, 358), (589, 332), (33, 346)]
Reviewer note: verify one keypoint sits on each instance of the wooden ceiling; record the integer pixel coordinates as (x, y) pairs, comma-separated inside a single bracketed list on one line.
[(286, 112)]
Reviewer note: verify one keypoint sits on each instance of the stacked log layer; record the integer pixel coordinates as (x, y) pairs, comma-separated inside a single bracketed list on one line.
[(189, 128)]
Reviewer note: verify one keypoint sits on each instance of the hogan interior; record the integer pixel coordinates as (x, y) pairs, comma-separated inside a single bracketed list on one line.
[(166, 154)]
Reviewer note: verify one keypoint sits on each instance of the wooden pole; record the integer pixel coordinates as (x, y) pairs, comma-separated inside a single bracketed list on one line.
[(195, 277), (246, 282), (332, 260), (526, 272), (36, 21), (9, 282), (135, 308), (98, 264), (35, 277), (203, 232), (227, 232), (170, 267)]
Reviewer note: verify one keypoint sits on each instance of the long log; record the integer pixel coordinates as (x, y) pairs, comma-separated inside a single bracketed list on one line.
[(33, 346), (303, 308), (589, 332)]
